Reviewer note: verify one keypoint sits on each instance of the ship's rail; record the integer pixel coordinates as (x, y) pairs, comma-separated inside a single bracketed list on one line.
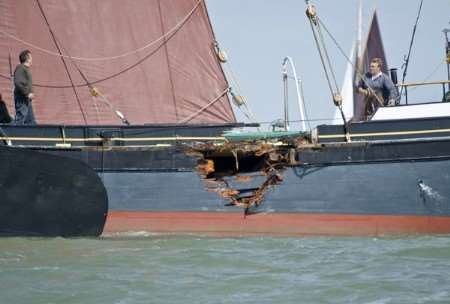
[(426, 83)]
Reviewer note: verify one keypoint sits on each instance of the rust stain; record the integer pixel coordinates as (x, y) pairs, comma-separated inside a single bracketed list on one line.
[(206, 167), (228, 193), (243, 178)]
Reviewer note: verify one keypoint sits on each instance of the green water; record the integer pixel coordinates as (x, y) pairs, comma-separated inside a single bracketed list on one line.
[(155, 269)]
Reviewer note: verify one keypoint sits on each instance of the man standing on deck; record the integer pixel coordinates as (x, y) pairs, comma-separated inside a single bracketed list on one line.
[(23, 90), (378, 88)]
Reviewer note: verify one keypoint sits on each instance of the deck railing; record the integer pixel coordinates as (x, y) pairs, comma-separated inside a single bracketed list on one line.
[(426, 83)]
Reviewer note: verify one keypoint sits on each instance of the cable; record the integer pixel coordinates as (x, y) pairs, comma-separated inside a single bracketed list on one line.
[(192, 116), (63, 61), (175, 28), (406, 63)]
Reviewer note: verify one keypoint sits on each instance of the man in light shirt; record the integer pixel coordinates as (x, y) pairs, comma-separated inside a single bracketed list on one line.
[(378, 88)]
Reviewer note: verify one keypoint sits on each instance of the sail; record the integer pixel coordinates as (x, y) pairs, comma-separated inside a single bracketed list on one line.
[(347, 91), (373, 48), (153, 60)]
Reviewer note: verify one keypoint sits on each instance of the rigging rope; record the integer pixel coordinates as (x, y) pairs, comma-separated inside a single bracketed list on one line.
[(406, 63), (168, 33), (247, 113), (192, 116), (314, 21)]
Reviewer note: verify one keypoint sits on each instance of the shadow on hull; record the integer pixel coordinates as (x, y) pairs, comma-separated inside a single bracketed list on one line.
[(48, 195)]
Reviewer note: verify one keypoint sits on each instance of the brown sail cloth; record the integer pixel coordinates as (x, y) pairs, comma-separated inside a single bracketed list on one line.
[(152, 59)]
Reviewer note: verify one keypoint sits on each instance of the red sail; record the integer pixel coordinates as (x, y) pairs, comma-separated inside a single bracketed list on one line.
[(372, 49), (154, 60)]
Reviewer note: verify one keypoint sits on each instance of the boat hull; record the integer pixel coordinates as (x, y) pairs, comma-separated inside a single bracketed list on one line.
[(347, 199), (393, 186)]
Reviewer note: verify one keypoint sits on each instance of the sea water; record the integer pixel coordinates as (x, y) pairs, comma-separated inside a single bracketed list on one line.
[(144, 268)]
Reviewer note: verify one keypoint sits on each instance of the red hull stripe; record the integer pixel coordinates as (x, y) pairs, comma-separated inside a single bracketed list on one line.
[(273, 224)]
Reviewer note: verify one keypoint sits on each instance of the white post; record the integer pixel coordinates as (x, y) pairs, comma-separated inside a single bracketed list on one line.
[(300, 101)]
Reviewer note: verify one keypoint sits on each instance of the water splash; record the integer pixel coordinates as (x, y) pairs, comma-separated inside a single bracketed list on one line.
[(430, 192)]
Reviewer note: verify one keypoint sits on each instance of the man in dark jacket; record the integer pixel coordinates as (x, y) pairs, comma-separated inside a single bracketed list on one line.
[(23, 90), (4, 114), (378, 88)]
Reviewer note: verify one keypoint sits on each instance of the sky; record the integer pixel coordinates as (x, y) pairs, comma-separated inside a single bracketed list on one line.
[(258, 34)]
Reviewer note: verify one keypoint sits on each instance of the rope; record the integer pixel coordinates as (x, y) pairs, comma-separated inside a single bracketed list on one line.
[(406, 64), (192, 116), (319, 29), (234, 83), (328, 68), (173, 29), (321, 56)]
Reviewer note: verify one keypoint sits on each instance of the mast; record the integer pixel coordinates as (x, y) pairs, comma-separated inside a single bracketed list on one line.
[(359, 34), (447, 52)]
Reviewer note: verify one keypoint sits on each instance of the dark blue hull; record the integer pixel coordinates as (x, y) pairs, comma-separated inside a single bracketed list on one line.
[(393, 186)]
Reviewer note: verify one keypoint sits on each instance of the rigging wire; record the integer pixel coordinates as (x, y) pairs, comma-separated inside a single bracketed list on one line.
[(406, 59), (168, 33)]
